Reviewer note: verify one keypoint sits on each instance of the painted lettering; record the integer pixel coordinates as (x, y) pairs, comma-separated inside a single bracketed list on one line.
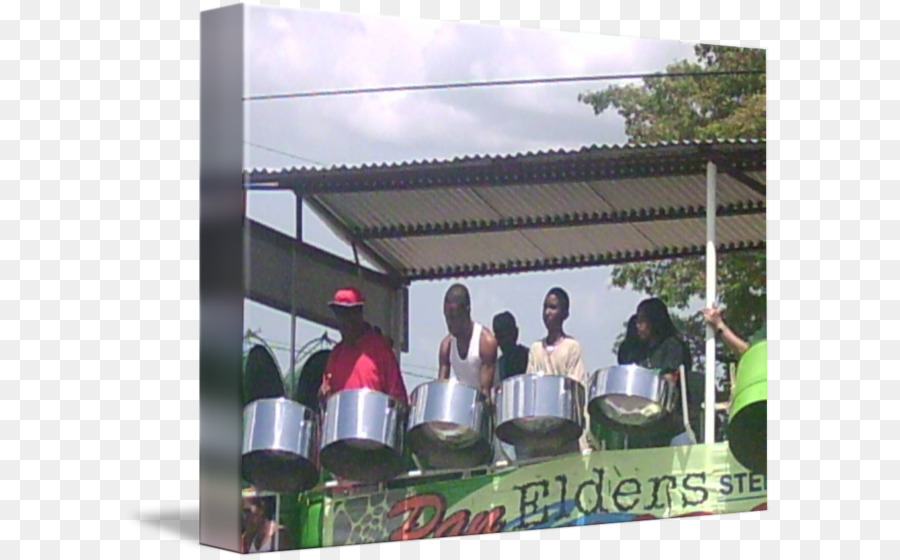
[(757, 483), (528, 505), (598, 490), (727, 487), (487, 522), (411, 529), (454, 525), (622, 492), (657, 482), (563, 482), (704, 493), (416, 509)]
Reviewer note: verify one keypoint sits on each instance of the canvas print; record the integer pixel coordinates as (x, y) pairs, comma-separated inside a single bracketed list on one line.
[(496, 279)]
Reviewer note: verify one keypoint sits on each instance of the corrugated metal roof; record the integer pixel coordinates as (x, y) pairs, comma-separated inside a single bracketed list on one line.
[(593, 151), (570, 247), (535, 211)]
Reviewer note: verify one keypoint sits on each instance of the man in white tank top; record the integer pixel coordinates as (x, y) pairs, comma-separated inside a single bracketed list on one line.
[(470, 350)]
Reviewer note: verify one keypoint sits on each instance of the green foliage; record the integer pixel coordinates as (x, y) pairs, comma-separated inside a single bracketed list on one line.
[(664, 109), (697, 109)]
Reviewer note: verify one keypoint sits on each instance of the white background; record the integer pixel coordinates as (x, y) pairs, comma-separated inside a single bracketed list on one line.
[(99, 302)]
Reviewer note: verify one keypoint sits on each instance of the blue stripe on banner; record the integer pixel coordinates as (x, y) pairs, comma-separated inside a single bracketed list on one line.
[(743, 498)]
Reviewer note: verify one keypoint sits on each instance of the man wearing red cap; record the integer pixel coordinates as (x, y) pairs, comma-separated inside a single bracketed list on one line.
[(363, 359)]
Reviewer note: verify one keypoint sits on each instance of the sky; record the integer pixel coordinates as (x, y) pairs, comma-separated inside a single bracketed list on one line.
[(298, 51)]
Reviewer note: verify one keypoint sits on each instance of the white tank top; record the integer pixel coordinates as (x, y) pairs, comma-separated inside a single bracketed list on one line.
[(468, 370)]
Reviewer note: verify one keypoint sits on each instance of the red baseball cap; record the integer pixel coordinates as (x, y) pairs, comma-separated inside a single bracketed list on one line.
[(348, 297)]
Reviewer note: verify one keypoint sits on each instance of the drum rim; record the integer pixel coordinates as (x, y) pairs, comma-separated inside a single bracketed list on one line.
[(535, 375), (365, 390), (668, 404), (278, 401), (479, 395)]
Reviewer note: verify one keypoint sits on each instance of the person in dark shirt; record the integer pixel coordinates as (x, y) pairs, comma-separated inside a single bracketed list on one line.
[(514, 357), (666, 351), (665, 348)]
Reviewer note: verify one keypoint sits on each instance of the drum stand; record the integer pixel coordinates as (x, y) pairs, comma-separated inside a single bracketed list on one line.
[(685, 417)]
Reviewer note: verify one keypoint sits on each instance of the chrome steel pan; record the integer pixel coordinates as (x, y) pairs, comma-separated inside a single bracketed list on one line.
[(280, 448), (362, 435), (449, 425), (538, 410), (630, 398)]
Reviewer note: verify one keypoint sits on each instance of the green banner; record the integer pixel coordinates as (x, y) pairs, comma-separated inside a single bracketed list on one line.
[(605, 487)]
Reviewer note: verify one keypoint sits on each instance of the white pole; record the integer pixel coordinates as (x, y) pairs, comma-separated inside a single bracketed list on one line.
[(298, 226), (709, 431)]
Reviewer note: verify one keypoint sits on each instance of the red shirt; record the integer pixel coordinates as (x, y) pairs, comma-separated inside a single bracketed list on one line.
[(368, 363)]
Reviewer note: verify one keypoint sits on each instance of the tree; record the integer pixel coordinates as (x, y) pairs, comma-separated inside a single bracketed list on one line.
[(701, 108)]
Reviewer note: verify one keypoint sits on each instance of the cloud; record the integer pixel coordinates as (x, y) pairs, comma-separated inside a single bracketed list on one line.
[(293, 51)]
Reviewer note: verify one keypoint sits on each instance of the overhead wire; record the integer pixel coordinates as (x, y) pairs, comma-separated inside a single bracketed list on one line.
[(492, 83), (498, 83), (283, 153)]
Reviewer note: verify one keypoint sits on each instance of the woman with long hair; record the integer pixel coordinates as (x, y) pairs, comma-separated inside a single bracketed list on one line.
[(667, 352), (633, 349), (665, 349)]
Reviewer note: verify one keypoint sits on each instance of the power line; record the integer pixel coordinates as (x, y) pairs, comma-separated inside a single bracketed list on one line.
[(288, 154), (530, 81)]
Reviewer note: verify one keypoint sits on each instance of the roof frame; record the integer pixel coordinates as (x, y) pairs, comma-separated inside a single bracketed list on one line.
[(569, 263), (587, 164), (562, 221)]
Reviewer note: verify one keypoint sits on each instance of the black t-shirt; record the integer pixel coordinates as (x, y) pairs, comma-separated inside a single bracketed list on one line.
[(513, 363), (631, 351), (666, 356)]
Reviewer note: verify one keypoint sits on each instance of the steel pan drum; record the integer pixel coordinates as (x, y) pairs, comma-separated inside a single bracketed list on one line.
[(747, 423), (449, 425), (280, 449), (630, 398), (538, 411), (362, 436)]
